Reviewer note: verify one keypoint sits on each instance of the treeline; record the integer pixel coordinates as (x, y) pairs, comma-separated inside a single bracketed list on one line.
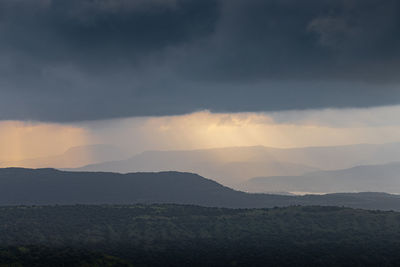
[(177, 235), (38, 256)]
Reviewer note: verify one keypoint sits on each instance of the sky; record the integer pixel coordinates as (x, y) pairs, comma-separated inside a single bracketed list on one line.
[(202, 130), (184, 74)]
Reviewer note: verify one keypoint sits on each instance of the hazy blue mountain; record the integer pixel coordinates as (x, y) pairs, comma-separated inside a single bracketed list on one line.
[(73, 157), (341, 157), (382, 178), (50, 186), (234, 165), (225, 172)]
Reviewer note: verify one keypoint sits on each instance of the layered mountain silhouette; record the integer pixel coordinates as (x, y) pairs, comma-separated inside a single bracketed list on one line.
[(49, 187), (384, 178), (73, 157), (235, 165)]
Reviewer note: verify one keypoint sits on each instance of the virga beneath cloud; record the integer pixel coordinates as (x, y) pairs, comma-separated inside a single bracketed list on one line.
[(205, 130)]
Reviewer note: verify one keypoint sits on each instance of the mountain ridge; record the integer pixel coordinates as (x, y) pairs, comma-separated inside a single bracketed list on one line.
[(222, 164), (378, 177), (20, 186)]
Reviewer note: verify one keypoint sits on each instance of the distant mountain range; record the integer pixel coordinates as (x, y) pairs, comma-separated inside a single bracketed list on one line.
[(297, 169), (383, 178), (50, 187), (72, 158), (235, 165)]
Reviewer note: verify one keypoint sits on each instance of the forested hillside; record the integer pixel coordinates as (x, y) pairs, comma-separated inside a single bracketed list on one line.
[(174, 235)]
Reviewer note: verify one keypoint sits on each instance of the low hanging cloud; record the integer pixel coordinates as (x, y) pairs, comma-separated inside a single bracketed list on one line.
[(200, 130), (330, 127), (99, 59)]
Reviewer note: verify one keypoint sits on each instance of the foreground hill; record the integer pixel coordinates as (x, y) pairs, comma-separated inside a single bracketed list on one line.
[(383, 178), (50, 186), (174, 235), (234, 165)]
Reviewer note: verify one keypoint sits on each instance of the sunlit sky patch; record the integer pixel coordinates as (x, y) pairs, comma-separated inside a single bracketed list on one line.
[(329, 127)]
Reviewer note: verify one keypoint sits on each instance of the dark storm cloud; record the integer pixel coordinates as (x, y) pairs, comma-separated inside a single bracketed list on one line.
[(96, 59), (314, 39)]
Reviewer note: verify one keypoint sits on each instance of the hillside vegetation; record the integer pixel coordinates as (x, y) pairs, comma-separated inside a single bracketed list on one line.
[(175, 235)]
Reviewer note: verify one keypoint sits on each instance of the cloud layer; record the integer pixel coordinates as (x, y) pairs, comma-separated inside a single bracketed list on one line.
[(97, 59), (200, 130)]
